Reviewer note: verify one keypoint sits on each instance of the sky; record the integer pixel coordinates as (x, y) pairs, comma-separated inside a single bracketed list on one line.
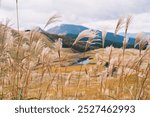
[(96, 14)]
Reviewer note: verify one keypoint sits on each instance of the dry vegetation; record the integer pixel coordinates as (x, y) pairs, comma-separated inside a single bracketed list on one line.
[(31, 67)]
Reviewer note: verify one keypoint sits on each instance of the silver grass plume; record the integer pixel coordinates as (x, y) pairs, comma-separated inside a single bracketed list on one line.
[(52, 19), (86, 33)]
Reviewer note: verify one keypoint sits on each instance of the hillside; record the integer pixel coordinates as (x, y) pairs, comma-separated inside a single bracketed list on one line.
[(68, 41), (133, 35), (67, 29), (34, 65), (72, 32)]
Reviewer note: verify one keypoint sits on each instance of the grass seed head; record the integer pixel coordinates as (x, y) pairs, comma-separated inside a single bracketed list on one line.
[(128, 22), (86, 33), (119, 25), (125, 42), (52, 19), (103, 38)]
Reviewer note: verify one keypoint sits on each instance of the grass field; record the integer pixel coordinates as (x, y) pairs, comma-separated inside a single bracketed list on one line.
[(29, 76), (31, 67)]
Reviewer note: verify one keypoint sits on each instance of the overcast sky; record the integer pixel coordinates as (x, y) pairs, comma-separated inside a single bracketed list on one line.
[(97, 14)]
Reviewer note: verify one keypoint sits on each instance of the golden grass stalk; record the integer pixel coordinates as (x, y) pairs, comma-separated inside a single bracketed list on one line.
[(125, 42), (141, 45), (109, 51), (52, 19), (119, 25), (87, 77), (67, 82), (86, 33), (128, 22), (45, 52), (4, 30), (138, 37), (144, 81), (104, 33), (38, 46), (58, 46), (89, 41), (17, 11)]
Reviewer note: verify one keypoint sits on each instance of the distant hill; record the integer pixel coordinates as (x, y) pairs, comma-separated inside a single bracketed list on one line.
[(68, 41), (72, 32), (116, 41), (134, 34)]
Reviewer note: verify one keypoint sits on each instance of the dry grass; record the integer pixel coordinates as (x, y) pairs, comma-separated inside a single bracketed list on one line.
[(52, 19), (128, 22), (86, 33), (104, 33), (119, 25), (31, 67)]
